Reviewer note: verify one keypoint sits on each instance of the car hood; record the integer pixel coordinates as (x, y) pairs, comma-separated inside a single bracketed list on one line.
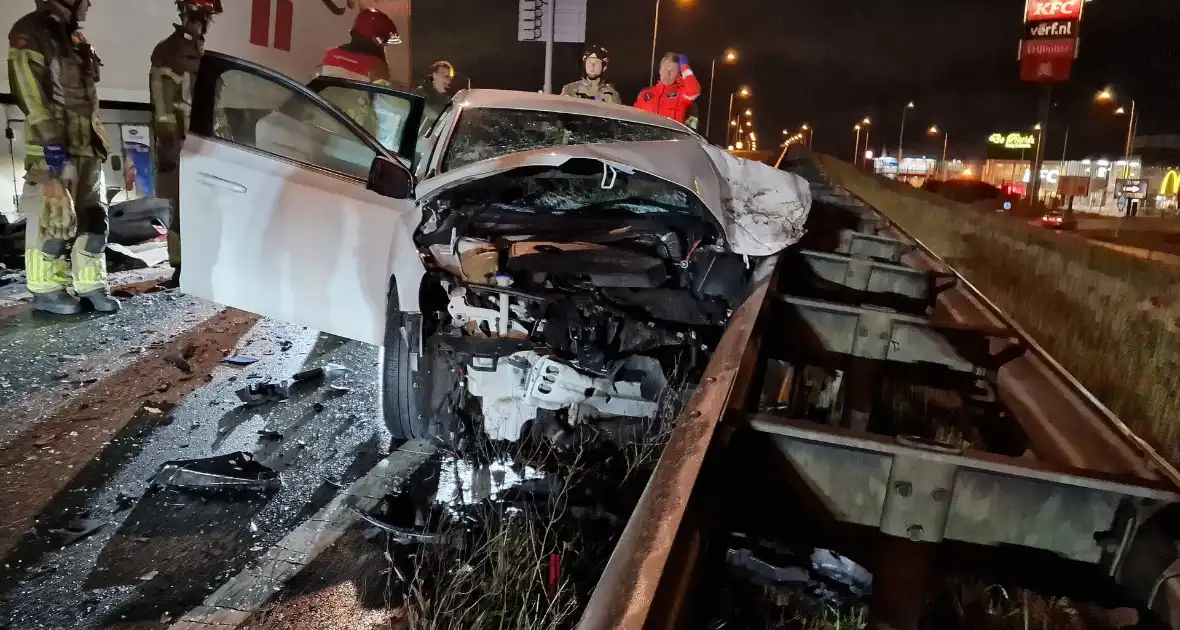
[(761, 208)]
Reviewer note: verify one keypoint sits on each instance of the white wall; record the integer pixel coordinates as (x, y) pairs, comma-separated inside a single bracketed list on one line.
[(124, 32)]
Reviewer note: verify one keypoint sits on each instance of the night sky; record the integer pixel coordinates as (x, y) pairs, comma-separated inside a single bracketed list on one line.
[(832, 62)]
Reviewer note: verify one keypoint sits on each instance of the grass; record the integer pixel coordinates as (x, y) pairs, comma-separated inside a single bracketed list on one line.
[(1110, 319)]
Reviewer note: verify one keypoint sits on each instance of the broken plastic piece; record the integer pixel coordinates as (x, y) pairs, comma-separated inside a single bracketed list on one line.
[(262, 393), (235, 471), (240, 360), (331, 373)]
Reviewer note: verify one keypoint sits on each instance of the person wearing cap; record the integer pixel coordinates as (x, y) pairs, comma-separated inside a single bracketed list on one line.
[(675, 92), (593, 84)]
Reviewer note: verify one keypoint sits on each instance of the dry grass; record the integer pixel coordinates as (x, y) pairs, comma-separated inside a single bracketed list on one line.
[(978, 606), (1110, 319)]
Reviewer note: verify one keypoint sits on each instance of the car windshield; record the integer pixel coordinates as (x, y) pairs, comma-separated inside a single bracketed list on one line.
[(483, 134)]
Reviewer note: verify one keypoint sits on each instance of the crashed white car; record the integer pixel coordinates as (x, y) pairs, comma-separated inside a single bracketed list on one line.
[(555, 262)]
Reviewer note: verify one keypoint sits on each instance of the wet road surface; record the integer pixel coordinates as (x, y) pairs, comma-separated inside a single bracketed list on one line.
[(99, 555)]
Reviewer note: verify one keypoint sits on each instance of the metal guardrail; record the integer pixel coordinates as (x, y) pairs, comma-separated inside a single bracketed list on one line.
[(1111, 506)]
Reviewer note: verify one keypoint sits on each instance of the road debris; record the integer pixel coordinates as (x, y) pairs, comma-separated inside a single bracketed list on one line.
[(240, 360), (265, 392)]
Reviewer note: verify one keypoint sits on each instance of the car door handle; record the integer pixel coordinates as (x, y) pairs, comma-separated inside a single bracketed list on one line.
[(221, 182)]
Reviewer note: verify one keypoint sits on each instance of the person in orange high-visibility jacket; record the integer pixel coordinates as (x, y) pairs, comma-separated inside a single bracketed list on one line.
[(676, 91), (53, 73), (363, 59)]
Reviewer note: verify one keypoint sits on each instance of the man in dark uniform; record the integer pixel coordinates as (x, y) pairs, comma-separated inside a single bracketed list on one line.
[(53, 72), (175, 62)]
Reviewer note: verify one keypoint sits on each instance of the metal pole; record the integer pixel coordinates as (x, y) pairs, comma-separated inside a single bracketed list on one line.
[(856, 148), (942, 167), (729, 119), (1130, 134), (1038, 155), (550, 18), (864, 160), (901, 138), (709, 107), (655, 31), (1064, 146)]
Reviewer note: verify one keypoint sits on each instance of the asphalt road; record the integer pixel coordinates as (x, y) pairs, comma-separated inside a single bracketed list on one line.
[(95, 405)]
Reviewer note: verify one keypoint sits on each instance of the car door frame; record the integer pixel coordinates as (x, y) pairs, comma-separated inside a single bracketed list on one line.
[(402, 292), (414, 121)]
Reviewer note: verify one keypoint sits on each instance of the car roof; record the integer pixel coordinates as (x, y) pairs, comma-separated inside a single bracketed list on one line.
[(512, 99)]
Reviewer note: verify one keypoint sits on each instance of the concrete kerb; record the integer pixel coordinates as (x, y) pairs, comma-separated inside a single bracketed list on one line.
[(245, 593)]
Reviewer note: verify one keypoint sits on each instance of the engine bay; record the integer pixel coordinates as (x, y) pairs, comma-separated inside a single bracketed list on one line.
[(570, 317)]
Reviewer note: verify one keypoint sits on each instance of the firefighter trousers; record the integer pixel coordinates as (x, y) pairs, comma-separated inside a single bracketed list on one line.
[(67, 226), (168, 187)]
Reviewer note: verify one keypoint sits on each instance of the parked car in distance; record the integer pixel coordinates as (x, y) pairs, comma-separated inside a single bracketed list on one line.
[(1058, 221)]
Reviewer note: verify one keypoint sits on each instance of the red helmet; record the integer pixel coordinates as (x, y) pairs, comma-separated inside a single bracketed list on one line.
[(375, 25)]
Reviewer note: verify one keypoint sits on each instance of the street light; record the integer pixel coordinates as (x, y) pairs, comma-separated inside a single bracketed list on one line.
[(743, 92), (901, 136), (749, 112), (810, 133), (655, 31), (730, 56), (856, 146), (1108, 95), (935, 131), (868, 125)]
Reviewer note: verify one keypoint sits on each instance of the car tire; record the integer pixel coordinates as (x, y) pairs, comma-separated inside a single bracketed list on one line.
[(417, 381)]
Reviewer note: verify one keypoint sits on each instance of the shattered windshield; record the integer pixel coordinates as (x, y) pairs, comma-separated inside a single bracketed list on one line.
[(483, 134)]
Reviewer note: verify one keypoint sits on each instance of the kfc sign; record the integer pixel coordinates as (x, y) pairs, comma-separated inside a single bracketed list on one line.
[(1040, 10)]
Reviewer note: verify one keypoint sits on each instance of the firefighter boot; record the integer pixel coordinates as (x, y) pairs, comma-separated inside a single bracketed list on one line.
[(90, 273), (47, 271)]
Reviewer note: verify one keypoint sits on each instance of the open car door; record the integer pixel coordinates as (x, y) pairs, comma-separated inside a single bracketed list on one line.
[(291, 209)]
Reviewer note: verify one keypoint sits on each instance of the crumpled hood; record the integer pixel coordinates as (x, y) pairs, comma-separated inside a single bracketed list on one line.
[(761, 208)]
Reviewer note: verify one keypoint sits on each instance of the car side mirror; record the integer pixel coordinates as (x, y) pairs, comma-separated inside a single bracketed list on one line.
[(389, 178)]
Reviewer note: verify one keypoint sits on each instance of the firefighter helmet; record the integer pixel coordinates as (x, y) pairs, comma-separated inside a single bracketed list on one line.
[(375, 25), (203, 8)]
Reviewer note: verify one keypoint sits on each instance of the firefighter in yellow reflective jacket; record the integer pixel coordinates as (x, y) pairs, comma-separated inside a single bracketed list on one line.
[(53, 71), (175, 62)]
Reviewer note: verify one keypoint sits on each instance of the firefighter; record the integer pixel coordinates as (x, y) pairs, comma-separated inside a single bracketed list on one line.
[(593, 84), (174, 70), (362, 58), (435, 88), (53, 72), (675, 92)]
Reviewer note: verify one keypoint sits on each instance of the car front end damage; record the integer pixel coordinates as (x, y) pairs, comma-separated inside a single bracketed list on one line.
[(567, 296)]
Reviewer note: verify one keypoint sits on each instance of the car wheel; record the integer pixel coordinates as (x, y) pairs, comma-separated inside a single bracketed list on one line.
[(417, 379)]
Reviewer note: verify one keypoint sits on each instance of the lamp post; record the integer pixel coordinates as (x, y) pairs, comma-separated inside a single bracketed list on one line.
[(743, 92), (868, 125), (730, 57), (856, 146), (934, 131), (1107, 95), (901, 136), (810, 133)]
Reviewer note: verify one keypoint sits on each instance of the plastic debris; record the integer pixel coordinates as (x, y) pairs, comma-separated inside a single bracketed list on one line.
[(240, 360)]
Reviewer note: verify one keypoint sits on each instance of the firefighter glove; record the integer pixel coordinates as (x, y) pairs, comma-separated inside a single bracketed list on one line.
[(55, 158), (58, 220)]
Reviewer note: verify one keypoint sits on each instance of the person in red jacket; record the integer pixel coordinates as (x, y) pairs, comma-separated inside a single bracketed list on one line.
[(676, 91)]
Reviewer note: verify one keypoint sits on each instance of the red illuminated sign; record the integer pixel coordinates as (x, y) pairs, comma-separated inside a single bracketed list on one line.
[(1045, 70), (1049, 48), (260, 23), (1039, 10)]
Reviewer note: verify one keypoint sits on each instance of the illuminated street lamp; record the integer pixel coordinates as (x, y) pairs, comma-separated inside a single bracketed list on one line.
[(1107, 95), (749, 112), (810, 133), (935, 131), (742, 92), (901, 136), (867, 123), (856, 146), (655, 31), (730, 56)]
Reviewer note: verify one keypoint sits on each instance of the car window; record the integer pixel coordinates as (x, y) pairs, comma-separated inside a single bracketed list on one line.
[(428, 140), (487, 133), (271, 117), (382, 115)]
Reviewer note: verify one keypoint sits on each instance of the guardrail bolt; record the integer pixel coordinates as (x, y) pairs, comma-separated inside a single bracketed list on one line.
[(903, 488), (694, 414), (915, 532), (941, 495), (711, 380)]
